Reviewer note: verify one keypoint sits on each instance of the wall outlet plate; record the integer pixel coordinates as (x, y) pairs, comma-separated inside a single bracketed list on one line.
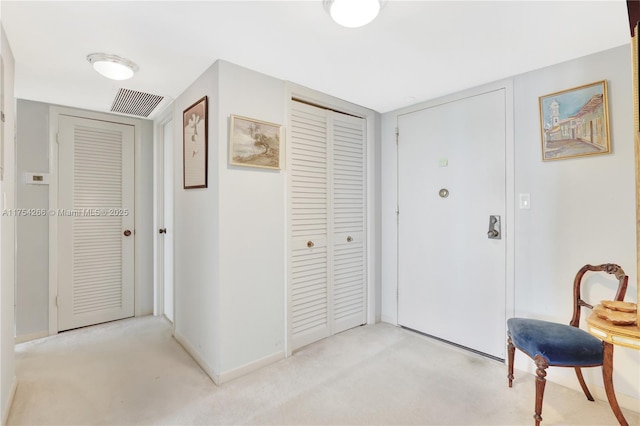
[(31, 178)]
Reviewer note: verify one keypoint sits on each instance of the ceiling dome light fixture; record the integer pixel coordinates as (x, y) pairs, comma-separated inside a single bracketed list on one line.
[(112, 66), (353, 13)]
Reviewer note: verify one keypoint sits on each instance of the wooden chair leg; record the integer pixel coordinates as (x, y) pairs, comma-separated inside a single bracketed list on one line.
[(607, 376), (511, 350), (583, 385), (541, 373)]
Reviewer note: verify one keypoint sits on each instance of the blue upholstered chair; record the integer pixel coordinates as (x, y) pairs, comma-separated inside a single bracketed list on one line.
[(559, 345)]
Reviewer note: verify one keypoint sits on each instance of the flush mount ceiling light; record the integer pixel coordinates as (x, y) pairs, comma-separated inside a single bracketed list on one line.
[(353, 13), (112, 66)]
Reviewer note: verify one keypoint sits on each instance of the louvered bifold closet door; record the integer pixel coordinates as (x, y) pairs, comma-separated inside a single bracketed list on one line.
[(95, 201), (309, 313), (348, 221)]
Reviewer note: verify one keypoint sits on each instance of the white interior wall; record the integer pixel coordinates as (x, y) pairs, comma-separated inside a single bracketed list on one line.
[(252, 228), (7, 235), (582, 210), (32, 252), (196, 238), (32, 233), (229, 238)]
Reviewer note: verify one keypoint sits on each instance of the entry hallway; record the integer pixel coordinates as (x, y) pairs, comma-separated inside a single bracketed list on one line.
[(133, 372)]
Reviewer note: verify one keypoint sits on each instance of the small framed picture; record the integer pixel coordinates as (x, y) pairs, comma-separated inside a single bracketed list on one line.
[(254, 143), (194, 141), (575, 122)]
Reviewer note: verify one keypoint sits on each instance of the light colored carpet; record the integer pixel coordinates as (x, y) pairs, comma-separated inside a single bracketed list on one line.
[(133, 372)]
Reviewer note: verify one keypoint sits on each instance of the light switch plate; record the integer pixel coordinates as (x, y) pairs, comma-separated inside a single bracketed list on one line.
[(525, 201)]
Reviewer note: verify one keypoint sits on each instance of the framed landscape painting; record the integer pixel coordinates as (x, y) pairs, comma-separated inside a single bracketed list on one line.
[(254, 143), (575, 122)]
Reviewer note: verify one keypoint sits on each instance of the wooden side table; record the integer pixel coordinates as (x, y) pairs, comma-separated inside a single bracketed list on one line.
[(610, 334)]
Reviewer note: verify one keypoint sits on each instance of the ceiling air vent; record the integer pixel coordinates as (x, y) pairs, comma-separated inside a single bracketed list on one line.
[(135, 103)]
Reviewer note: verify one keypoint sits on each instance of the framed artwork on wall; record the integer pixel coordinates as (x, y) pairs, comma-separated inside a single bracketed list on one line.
[(254, 143), (575, 122), (194, 142)]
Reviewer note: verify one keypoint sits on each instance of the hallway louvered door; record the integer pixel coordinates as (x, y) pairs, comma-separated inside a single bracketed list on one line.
[(347, 179), (327, 221), (95, 222), (309, 218)]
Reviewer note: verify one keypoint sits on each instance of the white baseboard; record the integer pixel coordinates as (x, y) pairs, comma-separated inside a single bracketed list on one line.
[(250, 367), (197, 358), (32, 336), (389, 320), (219, 379), (9, 403)]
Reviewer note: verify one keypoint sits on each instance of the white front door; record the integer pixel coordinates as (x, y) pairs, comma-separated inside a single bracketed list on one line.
[(95, 222), (451, 275)]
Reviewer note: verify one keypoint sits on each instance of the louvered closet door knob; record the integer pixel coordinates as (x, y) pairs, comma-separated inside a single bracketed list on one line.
[(127, 233), (349, 238), (310, 244)]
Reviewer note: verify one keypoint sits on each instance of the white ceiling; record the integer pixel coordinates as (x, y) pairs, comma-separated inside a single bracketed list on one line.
[(413, 51)]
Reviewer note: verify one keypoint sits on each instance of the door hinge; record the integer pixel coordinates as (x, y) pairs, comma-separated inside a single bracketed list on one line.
[(58, 138), (57, 305), (2, 116), (397, 135)]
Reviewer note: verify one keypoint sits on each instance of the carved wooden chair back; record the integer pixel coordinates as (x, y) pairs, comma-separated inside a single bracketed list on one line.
[(609, 268)]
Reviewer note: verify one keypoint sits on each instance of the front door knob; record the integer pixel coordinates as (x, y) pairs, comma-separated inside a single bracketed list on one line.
[(494, 227), (162, 230)]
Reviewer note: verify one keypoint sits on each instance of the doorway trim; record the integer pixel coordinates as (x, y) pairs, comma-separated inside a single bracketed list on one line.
[(509, 230), (54, 113), (158, 209)]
